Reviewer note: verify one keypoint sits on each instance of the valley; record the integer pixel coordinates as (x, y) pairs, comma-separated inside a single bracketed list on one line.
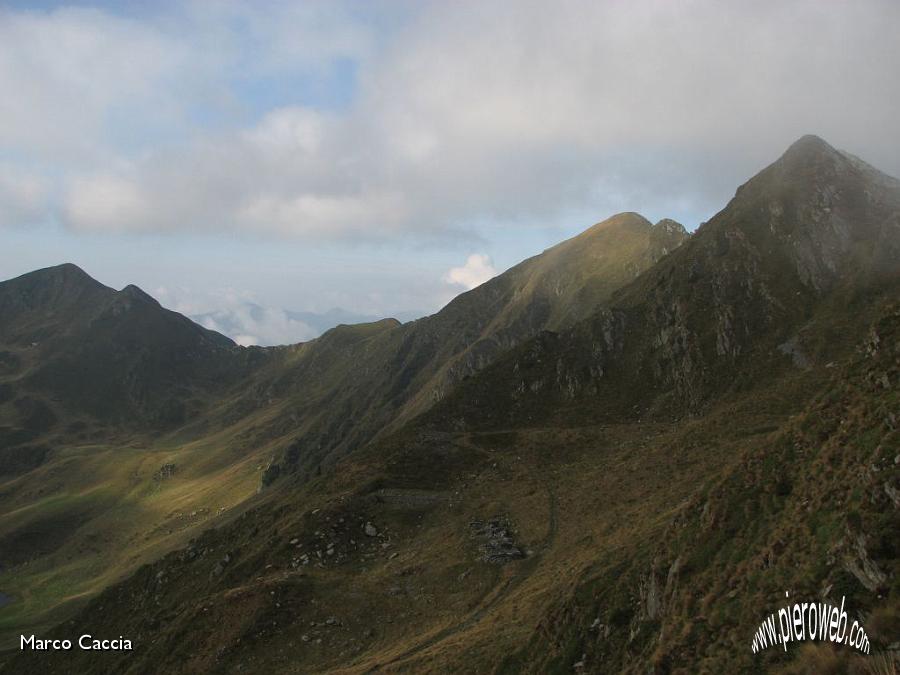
[(616, 456)]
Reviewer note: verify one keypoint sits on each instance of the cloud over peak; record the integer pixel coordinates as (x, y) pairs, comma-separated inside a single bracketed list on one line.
[(341, 121)]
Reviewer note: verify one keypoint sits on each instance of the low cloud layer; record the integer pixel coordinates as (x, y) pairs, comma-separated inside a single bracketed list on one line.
[(255, 325), (431, 120), (237, 314), (241, 316)]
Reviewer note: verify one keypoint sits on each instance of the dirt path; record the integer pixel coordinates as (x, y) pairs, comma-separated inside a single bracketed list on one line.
[(525, 569)]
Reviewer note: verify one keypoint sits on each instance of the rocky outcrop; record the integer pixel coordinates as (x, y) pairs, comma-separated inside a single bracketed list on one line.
[(287, 462), (856, 561), (167, 470), (496, 542)]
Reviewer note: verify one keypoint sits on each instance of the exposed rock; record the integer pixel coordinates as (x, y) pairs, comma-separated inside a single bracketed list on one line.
[(651, 602), (793, 349), (859, 564), (167, 470), (580, 665), (221, 565), (286, 462), (269, 475), (498, 545), (893, 493), (190, 552)]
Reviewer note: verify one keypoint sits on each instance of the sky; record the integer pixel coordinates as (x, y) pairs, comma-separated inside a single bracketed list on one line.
[(382, 157)]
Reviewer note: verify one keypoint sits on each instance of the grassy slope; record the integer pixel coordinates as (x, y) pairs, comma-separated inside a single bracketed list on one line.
[(602, 510), (92, 380), (581, 439), (91, 511), (783, 513), (335, 393)]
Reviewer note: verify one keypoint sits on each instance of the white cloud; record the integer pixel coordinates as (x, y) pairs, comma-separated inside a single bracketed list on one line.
[(476, 271), (246, 340), (320, 215), (288, 131), (105, 202), (190, 301), (235, 313), (251, 324), (23, 197), (69, 74), (461, 113)]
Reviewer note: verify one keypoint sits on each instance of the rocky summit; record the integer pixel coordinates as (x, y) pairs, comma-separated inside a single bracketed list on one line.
[(618, 456)]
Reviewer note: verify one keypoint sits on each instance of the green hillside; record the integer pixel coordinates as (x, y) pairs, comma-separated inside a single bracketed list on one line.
[(126, 429), (618, 456)]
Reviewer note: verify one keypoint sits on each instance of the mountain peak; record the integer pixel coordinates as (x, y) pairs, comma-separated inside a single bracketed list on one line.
[(57, 286), (811, 154), (67, 274), (810, 143), (820, 207), (129, 298), (67, 268), (134, 292), (808, 166), (627, 219), (672, 227)]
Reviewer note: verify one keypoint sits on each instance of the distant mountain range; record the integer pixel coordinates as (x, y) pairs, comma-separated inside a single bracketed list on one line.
[(252, 324), (617, 456)]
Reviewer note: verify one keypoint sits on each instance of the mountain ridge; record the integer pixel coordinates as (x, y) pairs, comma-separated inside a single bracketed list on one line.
[(392, 375), (601, 488), (116, 390), (702, 309), (83, 347)]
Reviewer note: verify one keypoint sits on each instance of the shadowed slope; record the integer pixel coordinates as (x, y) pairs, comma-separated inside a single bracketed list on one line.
[(657, 476), (785, 276)]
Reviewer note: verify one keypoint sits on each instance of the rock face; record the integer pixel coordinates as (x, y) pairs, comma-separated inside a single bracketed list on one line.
[(858, 562), (656, 590), (496, 542), (285, 463), (665, 237), (269, 475)]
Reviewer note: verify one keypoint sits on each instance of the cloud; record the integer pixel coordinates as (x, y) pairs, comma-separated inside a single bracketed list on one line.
[(246, 340), (23, 196), (457, 114), (236, 314), (72, 75), (251, 324), (476, 271), (106, 202)]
